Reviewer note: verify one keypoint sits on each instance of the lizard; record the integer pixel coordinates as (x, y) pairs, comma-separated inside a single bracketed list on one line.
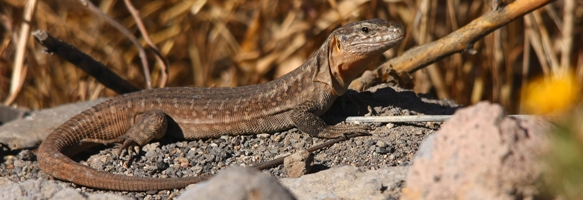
[(297, 99)]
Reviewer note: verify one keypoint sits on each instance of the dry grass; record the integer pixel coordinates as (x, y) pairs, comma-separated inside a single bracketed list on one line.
[(235, 42)]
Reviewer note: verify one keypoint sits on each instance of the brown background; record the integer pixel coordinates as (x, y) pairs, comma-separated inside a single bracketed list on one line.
[(235, 42)]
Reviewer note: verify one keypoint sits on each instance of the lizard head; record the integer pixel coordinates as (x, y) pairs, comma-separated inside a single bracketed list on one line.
[(353, 46)]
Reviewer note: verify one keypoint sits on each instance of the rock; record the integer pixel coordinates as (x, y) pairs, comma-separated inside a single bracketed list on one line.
[(238, 183), (479, 154), (44, 189), (348, 182), (8, 114), (25, 155), (298, 164), (30, 130), (98, 161)]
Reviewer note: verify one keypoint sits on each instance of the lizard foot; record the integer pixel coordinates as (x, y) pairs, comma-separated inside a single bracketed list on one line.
[(148, 126), (126, 143)]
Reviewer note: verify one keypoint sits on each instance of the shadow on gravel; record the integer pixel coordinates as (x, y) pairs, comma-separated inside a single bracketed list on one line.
[(358, 103)]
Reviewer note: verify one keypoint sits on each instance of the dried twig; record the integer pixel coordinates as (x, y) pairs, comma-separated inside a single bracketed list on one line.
[(101, 73), (18, 72), (411, 118), (461, 40), (128, 34)]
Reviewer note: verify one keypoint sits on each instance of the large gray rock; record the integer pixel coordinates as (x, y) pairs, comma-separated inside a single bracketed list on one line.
[(45, 189), (29, 131), (348, 182), (238, 183), (480, 153), (10, 114)]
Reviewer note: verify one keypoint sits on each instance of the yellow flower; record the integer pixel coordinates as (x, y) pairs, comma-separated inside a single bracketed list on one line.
[(551, 95)]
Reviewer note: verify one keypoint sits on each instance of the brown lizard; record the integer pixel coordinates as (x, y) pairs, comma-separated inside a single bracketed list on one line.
[(297, 99)]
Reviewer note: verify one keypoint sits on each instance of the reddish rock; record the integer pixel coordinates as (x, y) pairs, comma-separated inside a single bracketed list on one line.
[(480, 153), (298, 164)]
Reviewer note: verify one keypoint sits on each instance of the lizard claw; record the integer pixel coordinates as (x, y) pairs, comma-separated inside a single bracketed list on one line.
[(129, 146)]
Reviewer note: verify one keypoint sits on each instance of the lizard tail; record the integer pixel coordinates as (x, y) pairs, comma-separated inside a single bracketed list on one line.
[(62, 167), (53, 157)]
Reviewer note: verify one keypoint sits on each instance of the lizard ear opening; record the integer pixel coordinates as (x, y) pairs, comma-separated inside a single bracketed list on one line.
[(327, 68), (335, 60), (337, 44), (338, 60), (335, 48), (336, 63)]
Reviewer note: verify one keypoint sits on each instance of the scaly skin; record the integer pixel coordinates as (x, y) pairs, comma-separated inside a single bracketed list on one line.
[(294, 100)]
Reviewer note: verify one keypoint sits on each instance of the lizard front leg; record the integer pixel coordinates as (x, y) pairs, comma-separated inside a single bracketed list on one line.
[(147, 126), (306, 121)]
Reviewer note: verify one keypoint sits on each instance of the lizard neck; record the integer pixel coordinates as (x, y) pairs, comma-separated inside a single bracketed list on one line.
[(316, 74), (323, 66)]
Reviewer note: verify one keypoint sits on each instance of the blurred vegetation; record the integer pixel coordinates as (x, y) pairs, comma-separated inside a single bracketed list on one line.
[(558, 98), (235, 42)]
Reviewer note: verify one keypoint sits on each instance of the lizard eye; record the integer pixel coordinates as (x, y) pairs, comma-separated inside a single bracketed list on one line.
[(364, 29)]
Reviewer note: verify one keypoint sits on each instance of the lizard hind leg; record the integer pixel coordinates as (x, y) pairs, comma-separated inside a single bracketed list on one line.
[(148, 126)]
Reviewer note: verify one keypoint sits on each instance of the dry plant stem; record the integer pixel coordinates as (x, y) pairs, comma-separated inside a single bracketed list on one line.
[(17, 70), (101, 73), (128, 34), (452, 17), (161, 60), (422, 80), (546, 43), (458, 41), (497, 64), (554, 16), (536, 42), (435, 74), (525, 59), (7, 23), (567, 37), (579, 70)]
